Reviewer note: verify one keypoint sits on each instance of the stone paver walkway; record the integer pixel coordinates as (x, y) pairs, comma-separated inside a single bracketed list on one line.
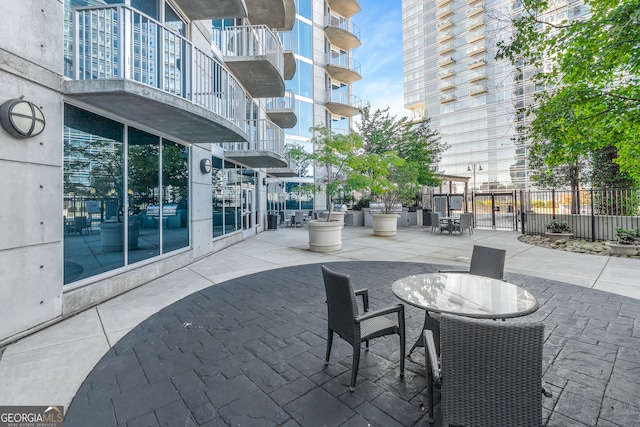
[(250, 352)]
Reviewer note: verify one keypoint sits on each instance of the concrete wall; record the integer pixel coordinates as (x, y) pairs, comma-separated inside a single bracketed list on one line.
[(31, 169)]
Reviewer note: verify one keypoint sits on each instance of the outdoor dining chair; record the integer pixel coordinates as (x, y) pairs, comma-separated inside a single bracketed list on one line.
[(435, 221), (345, 319), (489, 372), (485, 261), (464, 223), (298, 219)]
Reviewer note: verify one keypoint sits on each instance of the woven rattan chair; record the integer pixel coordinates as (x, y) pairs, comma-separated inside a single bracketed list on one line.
[(485, 261), (490, 372), (299, 219), (345, 319), (435, 221)]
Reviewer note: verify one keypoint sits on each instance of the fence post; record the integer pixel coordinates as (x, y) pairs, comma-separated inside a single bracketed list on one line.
[(593, 219), (553, 204), (521, 211)]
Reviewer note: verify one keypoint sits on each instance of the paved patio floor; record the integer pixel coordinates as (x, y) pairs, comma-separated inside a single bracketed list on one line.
[(249, 352)]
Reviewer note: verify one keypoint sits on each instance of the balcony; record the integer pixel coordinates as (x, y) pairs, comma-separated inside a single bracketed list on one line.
[(445, 36), (477, 90), (475, 50), (342, 103), (474, 11), (287, 41), (265, 148), (472, 1), (444, 12), (445, 49), (276, 14), (445, 61), (198, 9), (476, 64), (478, 22), (346, 8), (447, 72), (289, 171), (476, 77), (443, 99), (281, 110), (131, 66), (477, 36), (341, 32), (255, 56), (444, 24), (342, 67), (443, 2), (446, 86)]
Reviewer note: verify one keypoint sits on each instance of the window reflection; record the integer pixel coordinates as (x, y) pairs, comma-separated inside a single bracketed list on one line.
[(99, 203)]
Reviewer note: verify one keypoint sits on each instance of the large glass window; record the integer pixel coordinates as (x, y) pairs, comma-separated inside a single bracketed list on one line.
[(102, 199), (304, 8)]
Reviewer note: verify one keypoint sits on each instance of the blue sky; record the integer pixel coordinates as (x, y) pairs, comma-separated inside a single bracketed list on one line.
[(380, 56)]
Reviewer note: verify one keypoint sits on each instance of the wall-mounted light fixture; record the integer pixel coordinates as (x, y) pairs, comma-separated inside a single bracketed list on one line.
[(21, 119), (205, 166)]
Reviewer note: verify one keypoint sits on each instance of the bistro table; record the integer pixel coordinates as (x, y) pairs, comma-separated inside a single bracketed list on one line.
[(462, 294)]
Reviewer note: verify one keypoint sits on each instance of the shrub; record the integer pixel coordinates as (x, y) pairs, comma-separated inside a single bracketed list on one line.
[(555, 226), (627, 237)]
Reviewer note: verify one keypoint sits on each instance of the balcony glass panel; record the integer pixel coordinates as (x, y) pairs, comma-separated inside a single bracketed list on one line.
[(333, 20)]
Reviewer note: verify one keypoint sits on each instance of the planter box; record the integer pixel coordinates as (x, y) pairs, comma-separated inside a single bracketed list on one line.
[(558, 236), (325, 236), (385, 225), (626, 250), (112, 237)]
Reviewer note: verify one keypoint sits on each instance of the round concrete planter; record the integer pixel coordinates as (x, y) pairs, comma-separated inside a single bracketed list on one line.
[(112, 238), (557, 236), (325, 236), (618, 249), (385, 225)]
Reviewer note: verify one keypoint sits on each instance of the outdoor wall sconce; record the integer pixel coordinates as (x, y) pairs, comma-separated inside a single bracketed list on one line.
[(21, 119), (205, 166)]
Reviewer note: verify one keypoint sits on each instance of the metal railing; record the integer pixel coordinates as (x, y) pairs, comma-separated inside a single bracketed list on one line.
[(263, 135), (250, 40), (341, 97), (591, 214), (117, 42), (333, 20), (343, 60), (280, 102), (286, 40)]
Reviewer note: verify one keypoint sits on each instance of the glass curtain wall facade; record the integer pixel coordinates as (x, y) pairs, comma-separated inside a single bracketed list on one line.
[(452, 76)]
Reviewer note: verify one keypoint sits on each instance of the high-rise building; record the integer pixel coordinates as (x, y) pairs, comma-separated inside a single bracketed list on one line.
[(473, 99), (140, 135)]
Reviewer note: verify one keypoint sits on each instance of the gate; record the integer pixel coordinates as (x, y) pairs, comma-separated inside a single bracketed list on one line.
[(496, 211)]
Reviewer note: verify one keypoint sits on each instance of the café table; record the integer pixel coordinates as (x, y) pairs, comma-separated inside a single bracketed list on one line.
[(462, 294)]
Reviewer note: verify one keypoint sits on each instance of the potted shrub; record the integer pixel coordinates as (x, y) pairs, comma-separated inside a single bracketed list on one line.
[(391, 181), (557, 230), (334, 154), (626, 242)]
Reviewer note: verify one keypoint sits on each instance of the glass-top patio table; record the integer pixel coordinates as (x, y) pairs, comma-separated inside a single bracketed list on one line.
[(462, 294)]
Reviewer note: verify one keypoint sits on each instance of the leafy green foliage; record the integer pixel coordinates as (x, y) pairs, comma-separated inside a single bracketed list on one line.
[(590, 69), (556, 226), (627, 237)]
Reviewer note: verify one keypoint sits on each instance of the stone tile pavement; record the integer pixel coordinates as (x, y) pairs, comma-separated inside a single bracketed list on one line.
[(249, 352)]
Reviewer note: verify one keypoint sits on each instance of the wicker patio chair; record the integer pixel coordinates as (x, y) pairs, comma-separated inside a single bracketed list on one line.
[(464, 223), (485, 261), (490, 372), (344, 319), (435, 221), (299, 219)]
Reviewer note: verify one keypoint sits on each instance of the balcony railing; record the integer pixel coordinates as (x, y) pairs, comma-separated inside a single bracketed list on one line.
[(281, 102), (250, 40), (341, 31), (286, 40), (341, 97), (345, 61), (117, 42), (333, 20), (263, 135)]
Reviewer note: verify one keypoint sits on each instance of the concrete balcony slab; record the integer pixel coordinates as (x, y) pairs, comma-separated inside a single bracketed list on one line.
[(156, 109), (210, 9)]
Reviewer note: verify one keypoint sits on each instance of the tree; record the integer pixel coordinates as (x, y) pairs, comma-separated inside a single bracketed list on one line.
[(589, 68), (416, 143), (334, 154)]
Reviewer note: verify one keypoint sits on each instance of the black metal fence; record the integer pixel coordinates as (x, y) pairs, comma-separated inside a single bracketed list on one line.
[(591, 214)]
